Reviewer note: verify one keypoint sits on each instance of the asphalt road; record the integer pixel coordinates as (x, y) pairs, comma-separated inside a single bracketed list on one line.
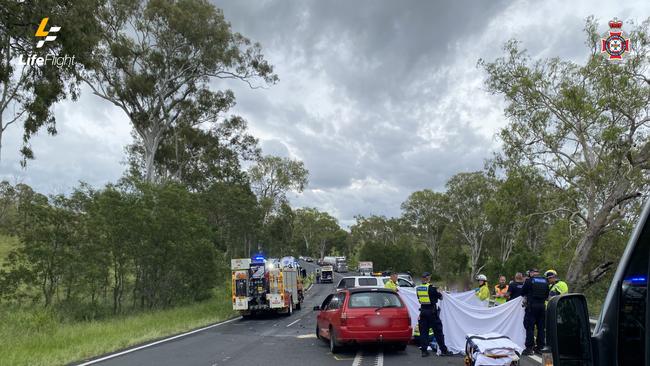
[(272, 340)]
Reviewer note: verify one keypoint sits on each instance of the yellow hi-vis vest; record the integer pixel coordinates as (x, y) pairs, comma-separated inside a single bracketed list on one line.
[(423, 294), (391, 285)]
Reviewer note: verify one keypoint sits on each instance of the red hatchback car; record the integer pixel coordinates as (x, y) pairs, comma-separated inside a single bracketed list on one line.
[(363, 315)]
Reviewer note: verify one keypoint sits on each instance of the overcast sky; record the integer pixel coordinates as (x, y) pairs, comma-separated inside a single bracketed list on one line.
[(378, 98)]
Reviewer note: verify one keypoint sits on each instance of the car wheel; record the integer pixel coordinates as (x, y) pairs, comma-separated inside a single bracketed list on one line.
[(335, 347), (401, 346), (318, 333)]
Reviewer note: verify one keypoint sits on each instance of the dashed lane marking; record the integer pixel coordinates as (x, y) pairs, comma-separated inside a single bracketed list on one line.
[(294, 322), (358, 358), (304, 336)]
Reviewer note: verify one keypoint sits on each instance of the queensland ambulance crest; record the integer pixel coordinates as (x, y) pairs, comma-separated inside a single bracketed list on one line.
[(615, 45)]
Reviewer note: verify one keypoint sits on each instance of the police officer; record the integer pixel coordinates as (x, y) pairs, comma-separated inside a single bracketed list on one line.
[(392, 282), (535, 291), (428, 297), (556, 285)]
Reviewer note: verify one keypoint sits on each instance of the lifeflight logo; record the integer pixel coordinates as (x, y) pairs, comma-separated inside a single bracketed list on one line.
[(41, 32), (48, 59)]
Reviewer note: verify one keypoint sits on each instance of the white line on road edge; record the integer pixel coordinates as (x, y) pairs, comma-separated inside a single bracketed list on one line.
[(294, 322), (358, 358), (380, 358), (157, 342)]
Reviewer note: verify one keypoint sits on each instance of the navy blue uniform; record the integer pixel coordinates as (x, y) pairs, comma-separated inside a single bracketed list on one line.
[(429, 319), (514, 288), (536, 291)]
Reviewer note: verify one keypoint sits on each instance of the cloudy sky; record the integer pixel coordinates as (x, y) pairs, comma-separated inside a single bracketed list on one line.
[(379, 98)]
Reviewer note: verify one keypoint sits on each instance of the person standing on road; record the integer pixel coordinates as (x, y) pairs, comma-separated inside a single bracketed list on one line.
[(501, 291), (428, 297), (392, 282), (557, 286), (317, 275), (535, 291), (483, 291), (514, 287)]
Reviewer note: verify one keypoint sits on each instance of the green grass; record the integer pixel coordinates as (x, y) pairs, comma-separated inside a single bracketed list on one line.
[(35, 336)]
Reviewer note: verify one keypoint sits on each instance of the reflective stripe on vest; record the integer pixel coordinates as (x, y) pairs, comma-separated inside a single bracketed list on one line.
[(423, 294)]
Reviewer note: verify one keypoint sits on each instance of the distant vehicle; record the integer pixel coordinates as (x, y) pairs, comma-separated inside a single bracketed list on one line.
[(365, 268), (326, 274), (622, 335), (339, 263), (363, 315), (320, 262), (309, 259), (406, 276), (261, 285)]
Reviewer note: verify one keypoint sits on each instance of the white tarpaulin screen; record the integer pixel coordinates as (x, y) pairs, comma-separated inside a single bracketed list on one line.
[(460, 317)]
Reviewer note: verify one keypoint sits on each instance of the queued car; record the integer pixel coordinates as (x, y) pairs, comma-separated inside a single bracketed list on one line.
[(363, 315), (309, 259), (369, 281)]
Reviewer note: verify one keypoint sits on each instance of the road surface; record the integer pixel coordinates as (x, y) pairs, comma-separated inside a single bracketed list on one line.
[(272, 340)]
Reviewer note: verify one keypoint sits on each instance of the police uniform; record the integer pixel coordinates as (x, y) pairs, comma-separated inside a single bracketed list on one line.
[(536, 291), (428, 297)]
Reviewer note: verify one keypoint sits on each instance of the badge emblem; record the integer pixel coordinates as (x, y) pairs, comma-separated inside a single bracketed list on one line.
[(615, 45)]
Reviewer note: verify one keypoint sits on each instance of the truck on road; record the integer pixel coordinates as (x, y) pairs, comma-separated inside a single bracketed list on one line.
[(365, 268), (260, 286), (326, 274), (339, 264)]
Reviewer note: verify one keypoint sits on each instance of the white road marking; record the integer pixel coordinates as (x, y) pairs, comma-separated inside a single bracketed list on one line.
[(294, 322), (302, 336), (380, 358), (156, 343), (358, 358), (536, 358)]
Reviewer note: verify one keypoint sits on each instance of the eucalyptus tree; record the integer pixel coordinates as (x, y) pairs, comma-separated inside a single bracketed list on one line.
[(585, 127)]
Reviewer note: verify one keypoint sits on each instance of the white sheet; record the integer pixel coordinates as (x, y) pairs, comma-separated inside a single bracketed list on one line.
[(460, 318)]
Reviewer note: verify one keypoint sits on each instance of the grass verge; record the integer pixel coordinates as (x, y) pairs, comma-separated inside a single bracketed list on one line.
[(34, 336)]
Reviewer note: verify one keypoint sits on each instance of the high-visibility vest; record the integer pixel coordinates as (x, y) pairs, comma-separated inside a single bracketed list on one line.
[(559, 288), (483, 292), (391, 285), (500, 291), (423, 294)]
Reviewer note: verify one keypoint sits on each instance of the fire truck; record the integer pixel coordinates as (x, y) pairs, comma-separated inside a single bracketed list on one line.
[(260, 285)]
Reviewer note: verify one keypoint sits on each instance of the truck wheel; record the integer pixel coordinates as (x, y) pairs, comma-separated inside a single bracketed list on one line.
[(335, 347)]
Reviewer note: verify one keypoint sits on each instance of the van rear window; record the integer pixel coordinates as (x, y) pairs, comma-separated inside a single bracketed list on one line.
[(367, 282), (374, 300)]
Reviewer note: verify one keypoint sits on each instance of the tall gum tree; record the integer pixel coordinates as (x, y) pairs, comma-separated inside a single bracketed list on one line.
[(157, 59), (585, 128)]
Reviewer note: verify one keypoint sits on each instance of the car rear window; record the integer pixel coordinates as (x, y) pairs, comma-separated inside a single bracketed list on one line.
[(374, 300), (367, 282)]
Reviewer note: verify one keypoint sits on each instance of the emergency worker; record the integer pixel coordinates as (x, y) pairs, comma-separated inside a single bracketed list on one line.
[(515, 286), (556, 285), (482, 291), (392, 282), (535, 292), (428, 297), (501, 291)]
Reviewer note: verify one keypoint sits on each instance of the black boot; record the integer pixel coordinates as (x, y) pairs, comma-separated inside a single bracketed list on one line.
[(425, 353), (528, 352)]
